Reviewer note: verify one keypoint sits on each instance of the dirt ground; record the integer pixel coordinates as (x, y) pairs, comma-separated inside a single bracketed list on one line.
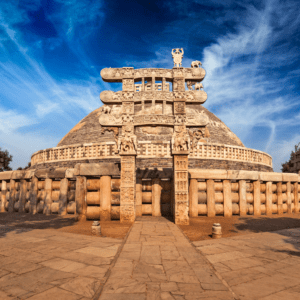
[(199, 229), (66, 224)]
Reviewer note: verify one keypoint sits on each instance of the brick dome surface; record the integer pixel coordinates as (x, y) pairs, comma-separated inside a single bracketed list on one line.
[(88, 130)]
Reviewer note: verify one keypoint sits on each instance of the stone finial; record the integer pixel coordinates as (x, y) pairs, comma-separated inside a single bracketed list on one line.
[(177, 55)]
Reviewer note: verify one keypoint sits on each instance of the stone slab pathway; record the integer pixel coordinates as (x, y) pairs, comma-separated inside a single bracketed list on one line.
[(158, 262), (48, 264), (259, 265)]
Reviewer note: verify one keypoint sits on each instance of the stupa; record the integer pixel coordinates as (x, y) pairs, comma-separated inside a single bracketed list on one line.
[(151, 149)]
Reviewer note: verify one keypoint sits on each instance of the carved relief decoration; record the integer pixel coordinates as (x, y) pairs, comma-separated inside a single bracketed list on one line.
[(128, 108), (180, 140), (179, 107), (128, 85), (177, 55), (117, 74), (198, 96), (127, 143), (179, 84), (110, 120), (180, 119), (200, 119)]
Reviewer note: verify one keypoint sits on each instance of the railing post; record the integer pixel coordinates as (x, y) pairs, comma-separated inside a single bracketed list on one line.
[(296, 198), (193, 197), (227, 198), (243, 197), (256, 198), (138, 199), (289, 197), (156, 194), (269, 198), (279, 198), (105, 198), (48, 196), (211, 210), (63, 196), (80, 197), (3, 196)]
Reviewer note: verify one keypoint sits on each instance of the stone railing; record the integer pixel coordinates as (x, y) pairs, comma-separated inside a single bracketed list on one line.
[(227, 193), (227, 152), (150, 149), (75, 152)]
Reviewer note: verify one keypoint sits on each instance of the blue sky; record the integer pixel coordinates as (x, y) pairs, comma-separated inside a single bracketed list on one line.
[(51, 53)]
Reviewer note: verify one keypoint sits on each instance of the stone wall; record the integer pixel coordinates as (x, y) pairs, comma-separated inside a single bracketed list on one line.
[(226, 165)]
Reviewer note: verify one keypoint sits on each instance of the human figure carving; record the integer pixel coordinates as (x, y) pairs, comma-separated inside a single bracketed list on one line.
[(127, 141), (196, 136), (180, 139), (177, 55)]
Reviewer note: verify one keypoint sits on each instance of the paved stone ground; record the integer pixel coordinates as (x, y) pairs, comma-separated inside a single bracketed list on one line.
[(258, 266), (158, 262), (48, 264)]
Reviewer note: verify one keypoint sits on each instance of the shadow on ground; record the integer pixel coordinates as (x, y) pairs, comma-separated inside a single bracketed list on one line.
[(20, 222)]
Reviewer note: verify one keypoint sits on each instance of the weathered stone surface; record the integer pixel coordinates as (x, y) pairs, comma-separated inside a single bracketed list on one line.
[(103, 169)]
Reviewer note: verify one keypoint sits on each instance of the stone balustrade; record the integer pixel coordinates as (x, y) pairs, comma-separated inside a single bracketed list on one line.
[(150, 149), (93, 191), (227, 193)]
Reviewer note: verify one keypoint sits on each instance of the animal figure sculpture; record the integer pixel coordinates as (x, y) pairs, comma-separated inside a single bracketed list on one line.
[(198, 85), (180, 140), (196, 64), (106, 109)]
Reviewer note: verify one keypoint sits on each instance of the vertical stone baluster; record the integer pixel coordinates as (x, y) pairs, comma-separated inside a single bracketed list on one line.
[(193, 197), (243, 197), (227, 198), (3, 196), (139, 197), (48, 196), (105, 198), (296, 198), (256, 198), (22, 199), (269, 198), (156, 195), (279, 198), (211, 210), (289, 197), (33, 195), (63, 196), (12, 195), (80, 197)]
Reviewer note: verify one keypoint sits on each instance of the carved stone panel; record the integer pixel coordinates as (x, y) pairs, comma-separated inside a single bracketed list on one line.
[(179, 107), (128, 85), (180, 140), (127, 190), (181, 189), (128, 108), (178, 85)]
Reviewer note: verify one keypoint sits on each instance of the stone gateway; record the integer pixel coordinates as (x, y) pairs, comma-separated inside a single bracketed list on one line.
[(151, 149)]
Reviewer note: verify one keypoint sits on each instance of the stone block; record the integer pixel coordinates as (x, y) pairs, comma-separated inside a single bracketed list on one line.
[(266, 176), (70, 173), (208, 174), (29, 174), (6, 175), (41, 173), (18, 174), (101, 169), (57, 173), (243, 175), (289, 177)]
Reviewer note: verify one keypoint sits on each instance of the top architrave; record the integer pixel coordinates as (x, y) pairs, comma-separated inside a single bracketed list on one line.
[(118, 74)]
